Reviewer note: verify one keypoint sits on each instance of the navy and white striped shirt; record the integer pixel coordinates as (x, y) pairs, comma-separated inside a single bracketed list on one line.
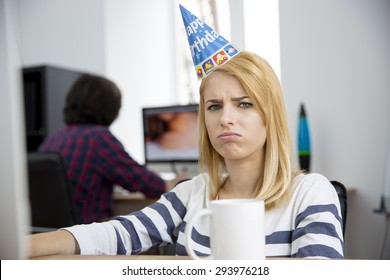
[(310, 225)]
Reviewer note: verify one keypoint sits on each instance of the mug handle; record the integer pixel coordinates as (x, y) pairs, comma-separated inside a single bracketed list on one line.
[(189, 227)]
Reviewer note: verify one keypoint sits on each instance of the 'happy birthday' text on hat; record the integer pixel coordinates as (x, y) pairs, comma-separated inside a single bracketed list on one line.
[(208, 48)]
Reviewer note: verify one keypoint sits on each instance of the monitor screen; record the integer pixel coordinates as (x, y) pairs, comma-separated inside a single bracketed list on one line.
[(171, 133)]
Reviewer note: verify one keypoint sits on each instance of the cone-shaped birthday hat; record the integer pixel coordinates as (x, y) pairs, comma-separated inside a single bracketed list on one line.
[(208, 48)]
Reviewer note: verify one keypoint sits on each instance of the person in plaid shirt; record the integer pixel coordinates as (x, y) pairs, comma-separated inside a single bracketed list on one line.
[(97, 161)]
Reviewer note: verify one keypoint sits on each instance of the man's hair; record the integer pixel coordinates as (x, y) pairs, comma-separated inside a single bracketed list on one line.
[(92, 99)]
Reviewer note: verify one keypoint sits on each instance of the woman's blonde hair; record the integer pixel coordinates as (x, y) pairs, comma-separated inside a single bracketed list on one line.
[(262, 85)]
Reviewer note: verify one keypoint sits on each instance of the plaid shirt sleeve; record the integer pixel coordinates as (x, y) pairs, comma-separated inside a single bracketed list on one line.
[(120, 168)]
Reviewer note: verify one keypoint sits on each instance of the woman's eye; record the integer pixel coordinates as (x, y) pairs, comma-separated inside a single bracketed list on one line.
[(245, 105), (213, 107)]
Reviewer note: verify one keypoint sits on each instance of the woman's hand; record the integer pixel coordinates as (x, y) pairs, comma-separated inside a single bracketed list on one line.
[(60, 242)]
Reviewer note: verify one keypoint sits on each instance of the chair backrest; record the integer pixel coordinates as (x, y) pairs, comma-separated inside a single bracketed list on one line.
[(49, 192), (342, 194)]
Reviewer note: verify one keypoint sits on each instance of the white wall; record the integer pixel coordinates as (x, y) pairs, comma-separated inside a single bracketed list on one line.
[(261, 25), (140, 58), (335, 58), (63, 33)]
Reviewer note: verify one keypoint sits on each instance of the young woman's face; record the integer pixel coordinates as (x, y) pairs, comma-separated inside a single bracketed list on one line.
[(235, 128)]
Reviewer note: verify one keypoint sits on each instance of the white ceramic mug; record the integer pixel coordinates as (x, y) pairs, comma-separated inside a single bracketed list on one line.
[(236, 230)]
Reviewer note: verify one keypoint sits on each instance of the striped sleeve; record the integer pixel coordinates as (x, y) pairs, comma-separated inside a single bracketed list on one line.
[(137, 232), (318, 224)]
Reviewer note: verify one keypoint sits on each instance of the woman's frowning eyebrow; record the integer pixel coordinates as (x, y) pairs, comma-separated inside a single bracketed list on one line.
[(240, 98), (233, 99)]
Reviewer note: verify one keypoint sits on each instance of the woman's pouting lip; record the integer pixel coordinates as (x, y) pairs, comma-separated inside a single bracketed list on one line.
[(230, 135)]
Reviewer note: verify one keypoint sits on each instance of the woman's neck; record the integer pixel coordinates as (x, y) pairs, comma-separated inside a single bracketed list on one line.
[(242, 180)]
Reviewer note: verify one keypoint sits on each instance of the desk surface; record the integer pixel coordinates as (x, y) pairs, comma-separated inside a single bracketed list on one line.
[(125, 257), (114, 257), (126, 202)]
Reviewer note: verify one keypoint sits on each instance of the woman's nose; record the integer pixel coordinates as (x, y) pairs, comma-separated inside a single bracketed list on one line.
[(227, 116)]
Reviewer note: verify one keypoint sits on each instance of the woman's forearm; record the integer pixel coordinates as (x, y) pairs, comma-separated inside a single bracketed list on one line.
[(59, 242)]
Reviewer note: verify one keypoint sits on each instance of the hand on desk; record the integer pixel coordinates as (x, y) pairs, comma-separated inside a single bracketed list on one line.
[(59, 242), (120, 193), (181, 176)]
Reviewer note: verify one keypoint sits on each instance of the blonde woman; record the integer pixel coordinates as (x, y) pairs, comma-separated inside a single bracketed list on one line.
[(245, 152)]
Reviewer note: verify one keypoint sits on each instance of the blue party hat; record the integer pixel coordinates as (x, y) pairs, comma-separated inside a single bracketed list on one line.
[(208, 48)]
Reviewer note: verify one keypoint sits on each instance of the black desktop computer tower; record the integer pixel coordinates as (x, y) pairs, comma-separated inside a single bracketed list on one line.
[(45, 88)]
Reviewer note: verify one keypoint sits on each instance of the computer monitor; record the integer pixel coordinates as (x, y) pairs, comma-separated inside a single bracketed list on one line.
[(170, 133)]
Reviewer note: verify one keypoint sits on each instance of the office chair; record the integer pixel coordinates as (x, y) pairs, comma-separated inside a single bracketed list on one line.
[(49, 192), (342, 194)]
